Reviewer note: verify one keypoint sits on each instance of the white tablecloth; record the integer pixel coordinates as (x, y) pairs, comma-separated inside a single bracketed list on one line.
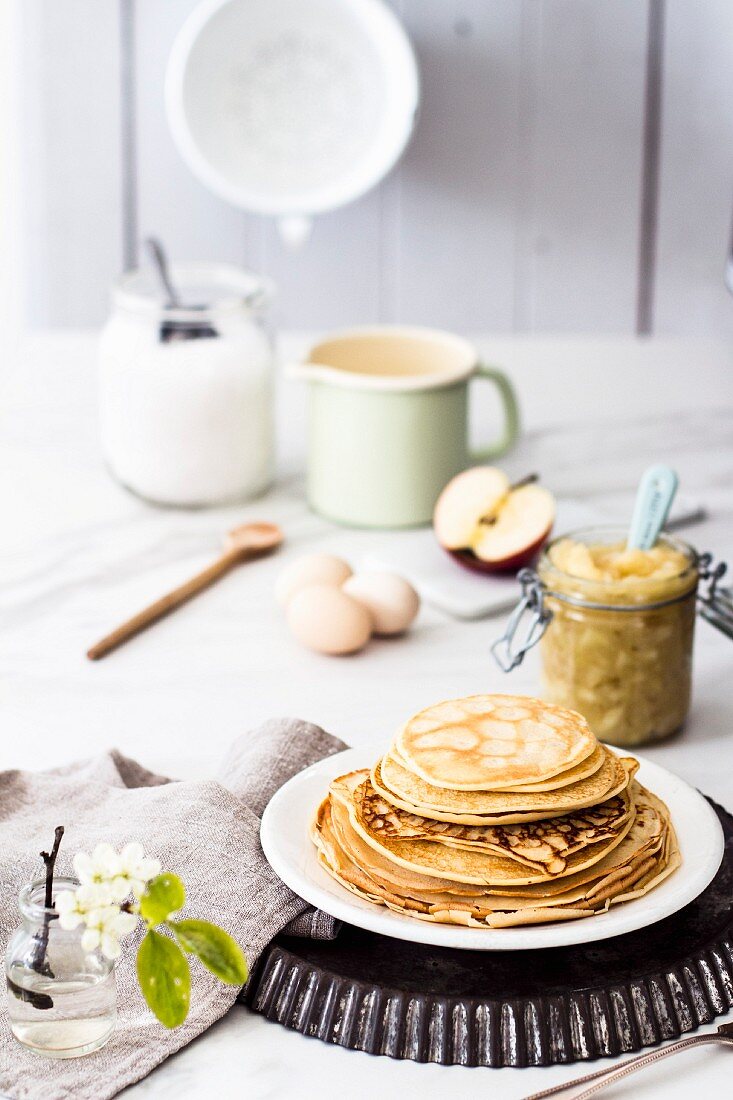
[(78, 555)]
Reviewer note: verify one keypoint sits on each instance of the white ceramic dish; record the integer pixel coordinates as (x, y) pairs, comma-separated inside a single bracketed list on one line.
[(290, 108), (415, 554), (287, 846)]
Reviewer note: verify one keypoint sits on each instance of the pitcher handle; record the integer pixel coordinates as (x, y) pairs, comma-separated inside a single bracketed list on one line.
[(511, 413)]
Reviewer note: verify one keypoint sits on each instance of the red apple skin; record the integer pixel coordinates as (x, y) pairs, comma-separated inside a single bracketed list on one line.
[(468, 559)]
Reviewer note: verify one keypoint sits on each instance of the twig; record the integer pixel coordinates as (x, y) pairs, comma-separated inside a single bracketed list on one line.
[(50, 861), (49, 858), (36, 1000), (529, 479)]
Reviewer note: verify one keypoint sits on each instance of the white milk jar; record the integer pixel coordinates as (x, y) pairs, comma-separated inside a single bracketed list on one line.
[(186, 393)]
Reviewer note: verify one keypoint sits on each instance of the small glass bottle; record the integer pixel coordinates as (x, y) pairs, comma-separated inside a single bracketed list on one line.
[(62, 1000)]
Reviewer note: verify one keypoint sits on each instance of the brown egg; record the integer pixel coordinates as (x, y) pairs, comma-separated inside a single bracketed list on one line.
[(392, 602), (328, 620), (311, 569)]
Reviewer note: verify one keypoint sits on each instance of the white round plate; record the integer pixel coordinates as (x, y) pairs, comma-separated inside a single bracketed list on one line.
[(291, 853), (288, 107)]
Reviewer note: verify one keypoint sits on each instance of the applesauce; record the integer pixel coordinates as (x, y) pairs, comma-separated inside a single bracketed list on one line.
[(618, 648)]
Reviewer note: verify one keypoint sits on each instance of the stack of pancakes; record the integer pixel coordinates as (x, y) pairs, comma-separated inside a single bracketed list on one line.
[(492, 811)]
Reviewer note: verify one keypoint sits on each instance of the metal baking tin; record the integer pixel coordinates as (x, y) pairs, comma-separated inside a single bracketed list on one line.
[(372, 993)]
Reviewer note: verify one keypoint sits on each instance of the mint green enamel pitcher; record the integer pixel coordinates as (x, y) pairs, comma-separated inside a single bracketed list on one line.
[(388, 422)]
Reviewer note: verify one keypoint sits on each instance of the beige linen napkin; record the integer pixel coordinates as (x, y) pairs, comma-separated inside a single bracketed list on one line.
[(206, 831)]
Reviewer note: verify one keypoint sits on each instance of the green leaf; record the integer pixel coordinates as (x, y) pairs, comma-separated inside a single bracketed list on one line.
[(165, 978), (216, 949), (163, 896)]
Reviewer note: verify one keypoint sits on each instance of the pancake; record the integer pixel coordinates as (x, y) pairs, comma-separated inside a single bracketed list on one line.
[(383, 875), (487, 741), (495, 811), (645, 837), (408, 792), (546, 843), (476, 866), (486, 910), (378, 866), (339, 861), (658, 872), (563, 779)]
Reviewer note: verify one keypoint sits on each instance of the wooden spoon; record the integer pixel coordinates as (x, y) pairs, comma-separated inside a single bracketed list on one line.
[(250, 540)]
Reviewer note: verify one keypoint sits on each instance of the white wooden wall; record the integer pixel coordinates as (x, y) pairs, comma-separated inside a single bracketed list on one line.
[(515, 208)]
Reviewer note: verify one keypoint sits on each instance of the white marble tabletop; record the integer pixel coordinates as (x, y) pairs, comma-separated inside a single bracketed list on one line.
[(78, 555)]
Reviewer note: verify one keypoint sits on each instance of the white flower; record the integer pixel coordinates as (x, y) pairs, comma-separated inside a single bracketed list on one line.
[(73, 906), (125, 923), (127, 872), (136, 868), (104, 929), (67, 907), (101, 866), (94, 895), (101, 931), (107, 879)]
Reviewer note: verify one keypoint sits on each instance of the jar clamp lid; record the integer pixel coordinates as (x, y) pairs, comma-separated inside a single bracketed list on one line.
[(531, 617)]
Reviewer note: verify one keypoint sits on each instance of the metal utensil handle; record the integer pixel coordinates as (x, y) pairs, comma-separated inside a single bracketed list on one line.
[(530, 612), (530, 618), (607, 1076), (160, 261)]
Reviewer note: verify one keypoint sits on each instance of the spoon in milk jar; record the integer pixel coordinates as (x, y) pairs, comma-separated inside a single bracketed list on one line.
[(175, 329)]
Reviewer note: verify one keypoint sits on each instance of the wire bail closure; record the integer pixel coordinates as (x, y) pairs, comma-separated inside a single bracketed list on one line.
[(715, 605), (530, 618), (508, 651)]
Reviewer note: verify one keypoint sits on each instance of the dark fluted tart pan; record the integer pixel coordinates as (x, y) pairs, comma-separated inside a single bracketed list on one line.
[(515, 1008)]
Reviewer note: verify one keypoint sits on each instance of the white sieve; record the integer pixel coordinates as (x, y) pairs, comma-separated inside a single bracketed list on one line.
[(291, 108)]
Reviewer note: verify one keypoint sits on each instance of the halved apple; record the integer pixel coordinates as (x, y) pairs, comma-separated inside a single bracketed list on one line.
[(488, 526)]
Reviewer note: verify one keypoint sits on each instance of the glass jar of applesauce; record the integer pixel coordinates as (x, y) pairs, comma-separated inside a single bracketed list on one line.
[(616, 629)]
